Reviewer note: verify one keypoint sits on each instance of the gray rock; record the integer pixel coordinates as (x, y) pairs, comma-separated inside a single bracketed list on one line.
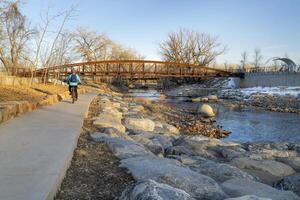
[(273, 167), (165, 141), (111, 132), (220, 172), (293, 162), (126, 149), (202, 146), (109, 121), (151, 190), (240, 187), (174, 174), (249, 197), (139, 124), (170, 129), (180, 150), (99, 137), (290, 183)]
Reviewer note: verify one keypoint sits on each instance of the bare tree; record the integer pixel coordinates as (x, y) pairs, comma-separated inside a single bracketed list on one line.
[(244, 60), (14, 36), (257, 58), (191, 47), (118, 52), (90, 45), (226, 65), (49, 55)]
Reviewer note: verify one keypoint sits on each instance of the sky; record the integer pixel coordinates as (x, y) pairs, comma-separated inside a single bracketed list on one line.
[(242, 25)]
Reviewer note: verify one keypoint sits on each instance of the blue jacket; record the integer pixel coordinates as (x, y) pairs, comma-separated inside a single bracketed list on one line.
[(73, 83)]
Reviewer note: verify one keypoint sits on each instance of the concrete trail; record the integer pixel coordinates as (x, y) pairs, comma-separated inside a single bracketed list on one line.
[(36, 149)]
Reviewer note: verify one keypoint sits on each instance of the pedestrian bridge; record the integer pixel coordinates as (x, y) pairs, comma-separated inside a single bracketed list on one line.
[(129, 69)]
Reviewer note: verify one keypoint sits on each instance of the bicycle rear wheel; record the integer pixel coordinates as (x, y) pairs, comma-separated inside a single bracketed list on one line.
[(73, 94)]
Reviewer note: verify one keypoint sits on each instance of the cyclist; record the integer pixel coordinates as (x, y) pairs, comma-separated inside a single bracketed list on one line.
[(73, 81)]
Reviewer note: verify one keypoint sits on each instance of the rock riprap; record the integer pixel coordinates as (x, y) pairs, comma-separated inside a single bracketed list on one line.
[(149, 189), (240, 187), (167, 165), (139, 124)]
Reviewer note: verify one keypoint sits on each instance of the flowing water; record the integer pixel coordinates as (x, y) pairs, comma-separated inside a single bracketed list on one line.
[(246, 125)]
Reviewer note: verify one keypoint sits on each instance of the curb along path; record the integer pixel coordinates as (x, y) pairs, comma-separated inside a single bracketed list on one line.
[(36, 149)]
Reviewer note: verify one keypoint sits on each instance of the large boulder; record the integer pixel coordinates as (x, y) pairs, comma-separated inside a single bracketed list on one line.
[(240, 187), (180, 150), (290, 183), (112, 111), (105, 102), (136, 108), (109, 121), (293, 162), (249, 197), (198, 99), (172, 173), (109, 132), (202, 146), (213, 98), (170, 129), (273, 167), (206, 111), (220, 172), (154, 146), (139, 124), (151, 190), (124, 148)]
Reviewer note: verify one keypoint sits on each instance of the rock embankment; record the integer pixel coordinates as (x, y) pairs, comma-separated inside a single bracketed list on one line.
[(168, 165), (268, 101), (13, 108)]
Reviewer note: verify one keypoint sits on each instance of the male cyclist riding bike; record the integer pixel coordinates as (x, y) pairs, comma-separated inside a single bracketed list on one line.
[(73, 81)]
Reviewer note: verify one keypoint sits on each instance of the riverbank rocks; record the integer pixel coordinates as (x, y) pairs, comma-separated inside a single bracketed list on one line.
[(170, 129), (150, 189), (139, 124), (167, 165), (109, 121), (220, 172), (206, 111), (136, 108), (249, 197), (293, 162), (240, 187), (273, 167), (172, 173), (290, 183), (212, 98), (124, 149)]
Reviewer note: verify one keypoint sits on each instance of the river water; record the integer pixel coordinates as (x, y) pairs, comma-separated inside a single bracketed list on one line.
[(246, 125)]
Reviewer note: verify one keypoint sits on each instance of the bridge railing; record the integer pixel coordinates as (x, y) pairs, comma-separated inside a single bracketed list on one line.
[(126, 69), (264, 70), (136, 69)]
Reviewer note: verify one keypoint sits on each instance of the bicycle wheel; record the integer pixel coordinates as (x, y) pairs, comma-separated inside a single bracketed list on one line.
[(73, 95)]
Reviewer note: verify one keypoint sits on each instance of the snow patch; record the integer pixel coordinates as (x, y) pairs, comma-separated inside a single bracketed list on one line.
[(230, 83), (281, 91)]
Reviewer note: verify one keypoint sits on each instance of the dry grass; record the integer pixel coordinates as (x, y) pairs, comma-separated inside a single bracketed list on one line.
[(14, 93), (50, 88)]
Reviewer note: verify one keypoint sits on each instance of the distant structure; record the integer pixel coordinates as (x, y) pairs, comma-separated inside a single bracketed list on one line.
[(289, 65)]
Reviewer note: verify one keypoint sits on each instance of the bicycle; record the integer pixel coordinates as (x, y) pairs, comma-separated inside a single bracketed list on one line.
[(73, 94)]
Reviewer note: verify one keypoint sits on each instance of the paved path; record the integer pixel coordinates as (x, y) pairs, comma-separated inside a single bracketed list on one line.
[(36, 149)]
